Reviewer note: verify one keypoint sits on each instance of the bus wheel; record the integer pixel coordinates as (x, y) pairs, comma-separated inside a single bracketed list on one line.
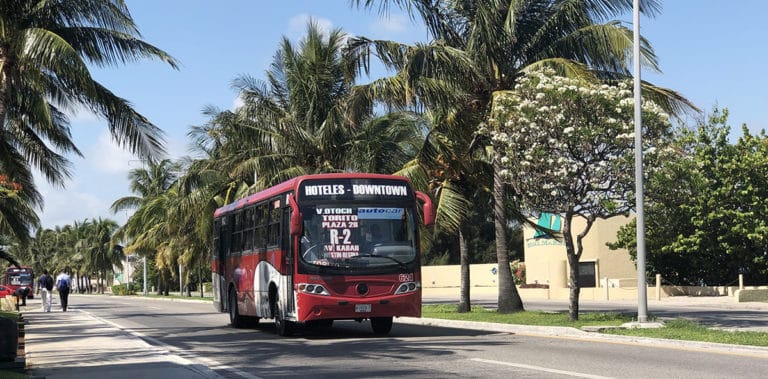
[(381, 325), (282, 326), (235, 320)]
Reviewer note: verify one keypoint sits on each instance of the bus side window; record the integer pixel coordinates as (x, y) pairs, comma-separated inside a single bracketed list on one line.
[(215, 239), (237, 233), (275, 217), (248, 225), (226, 235), (260, 231)]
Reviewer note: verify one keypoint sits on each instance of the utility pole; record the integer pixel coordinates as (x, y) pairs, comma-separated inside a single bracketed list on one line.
[(642, 295), (181, 282), (145, 276)]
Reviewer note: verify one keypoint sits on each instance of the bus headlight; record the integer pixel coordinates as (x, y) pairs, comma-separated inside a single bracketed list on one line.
[(407, 287), (314, 289)]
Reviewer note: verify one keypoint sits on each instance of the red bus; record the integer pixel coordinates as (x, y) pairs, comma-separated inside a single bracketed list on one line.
[(303, 252), (20, 277)]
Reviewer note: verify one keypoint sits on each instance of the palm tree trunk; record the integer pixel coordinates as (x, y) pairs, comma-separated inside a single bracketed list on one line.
[(509, 298), (464, 302), (200, 280), (3, 90)]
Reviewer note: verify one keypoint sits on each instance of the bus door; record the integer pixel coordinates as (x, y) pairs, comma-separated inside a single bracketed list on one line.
[(287, 245), (221, 250)]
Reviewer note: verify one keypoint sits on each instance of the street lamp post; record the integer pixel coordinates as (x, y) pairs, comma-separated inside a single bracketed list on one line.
[(145, 276), (642, 296), (181, 282)]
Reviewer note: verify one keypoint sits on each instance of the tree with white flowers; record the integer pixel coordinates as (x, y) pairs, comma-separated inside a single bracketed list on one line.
[(567, 147)]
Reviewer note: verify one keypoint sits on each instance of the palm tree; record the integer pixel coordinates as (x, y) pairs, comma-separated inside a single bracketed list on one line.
[(45, 50), (300, 117), (102, 254), (146, 230), (481, 47), (6, 256)]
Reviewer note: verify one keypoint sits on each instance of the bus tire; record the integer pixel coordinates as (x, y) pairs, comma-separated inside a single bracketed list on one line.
[(283, 327), (381, 325), (235, 320)]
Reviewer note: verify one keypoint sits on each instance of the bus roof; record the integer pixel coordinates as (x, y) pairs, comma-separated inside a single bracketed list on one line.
[(292, 184)]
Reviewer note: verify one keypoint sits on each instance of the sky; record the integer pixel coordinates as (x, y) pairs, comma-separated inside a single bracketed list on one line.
[(710, 51)]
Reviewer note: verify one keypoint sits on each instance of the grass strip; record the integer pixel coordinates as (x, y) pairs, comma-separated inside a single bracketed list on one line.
[(481, 314), (676, 329), (687, 330)]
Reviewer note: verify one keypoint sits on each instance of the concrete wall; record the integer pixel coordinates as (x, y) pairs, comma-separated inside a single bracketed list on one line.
[(546, 261), (445, 281), (481, 275), (751, 295)]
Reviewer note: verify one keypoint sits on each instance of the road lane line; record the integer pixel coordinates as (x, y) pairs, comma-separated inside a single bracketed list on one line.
[(538, 368)]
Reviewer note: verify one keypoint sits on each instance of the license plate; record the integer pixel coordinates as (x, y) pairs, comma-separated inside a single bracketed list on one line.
[(362, 308)]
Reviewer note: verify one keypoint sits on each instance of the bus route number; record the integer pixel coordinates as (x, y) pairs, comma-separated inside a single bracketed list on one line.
[(406, 277)]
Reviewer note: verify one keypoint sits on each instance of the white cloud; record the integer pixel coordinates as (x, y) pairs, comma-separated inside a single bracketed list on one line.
[(107, 157), (65, 206), (392, 25), (81, 115)]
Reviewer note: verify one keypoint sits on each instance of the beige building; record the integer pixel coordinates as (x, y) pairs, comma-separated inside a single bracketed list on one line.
[(546, 261)]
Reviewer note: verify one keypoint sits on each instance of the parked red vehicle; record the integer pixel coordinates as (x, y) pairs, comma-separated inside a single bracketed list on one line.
[(5, 291), (20, 277)]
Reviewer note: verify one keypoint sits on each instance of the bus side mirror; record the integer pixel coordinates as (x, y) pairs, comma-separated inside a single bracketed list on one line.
[(429, 211), (295, 216)]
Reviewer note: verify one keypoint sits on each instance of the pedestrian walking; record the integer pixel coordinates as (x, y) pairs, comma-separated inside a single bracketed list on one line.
[(45, 290), (63, 285)]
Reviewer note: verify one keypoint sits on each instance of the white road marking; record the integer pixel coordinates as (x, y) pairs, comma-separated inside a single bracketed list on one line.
[(538, 368)]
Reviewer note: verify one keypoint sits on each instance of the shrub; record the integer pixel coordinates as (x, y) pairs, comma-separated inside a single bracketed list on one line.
[(123, 289)]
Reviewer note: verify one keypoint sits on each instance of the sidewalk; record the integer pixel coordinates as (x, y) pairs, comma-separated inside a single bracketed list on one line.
[(74, 344)]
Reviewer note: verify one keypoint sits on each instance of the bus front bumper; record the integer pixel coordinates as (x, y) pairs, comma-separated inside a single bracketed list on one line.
[(315, 307)]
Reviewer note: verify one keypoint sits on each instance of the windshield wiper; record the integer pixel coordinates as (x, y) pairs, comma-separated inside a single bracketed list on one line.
[(402, 264)]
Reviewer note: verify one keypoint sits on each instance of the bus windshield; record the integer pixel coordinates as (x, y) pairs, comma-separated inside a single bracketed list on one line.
[(359, 237), (19, 276)]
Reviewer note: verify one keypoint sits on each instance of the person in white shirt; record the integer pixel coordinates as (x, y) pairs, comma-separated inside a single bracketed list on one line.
[(63, 285)]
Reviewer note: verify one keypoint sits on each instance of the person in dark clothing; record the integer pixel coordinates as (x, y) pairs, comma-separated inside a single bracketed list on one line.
[(63, 285), (45, 286), (21, 293)]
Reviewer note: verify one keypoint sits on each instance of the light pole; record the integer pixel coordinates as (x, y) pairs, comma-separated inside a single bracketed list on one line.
[(145, 276), (642, 296), (181, 282)]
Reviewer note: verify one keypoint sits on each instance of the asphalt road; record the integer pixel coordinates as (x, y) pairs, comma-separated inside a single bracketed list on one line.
[(349, 350)]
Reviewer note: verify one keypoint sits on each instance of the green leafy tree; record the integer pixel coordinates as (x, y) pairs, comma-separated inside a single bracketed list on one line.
[(567, 147), (706, 208)]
